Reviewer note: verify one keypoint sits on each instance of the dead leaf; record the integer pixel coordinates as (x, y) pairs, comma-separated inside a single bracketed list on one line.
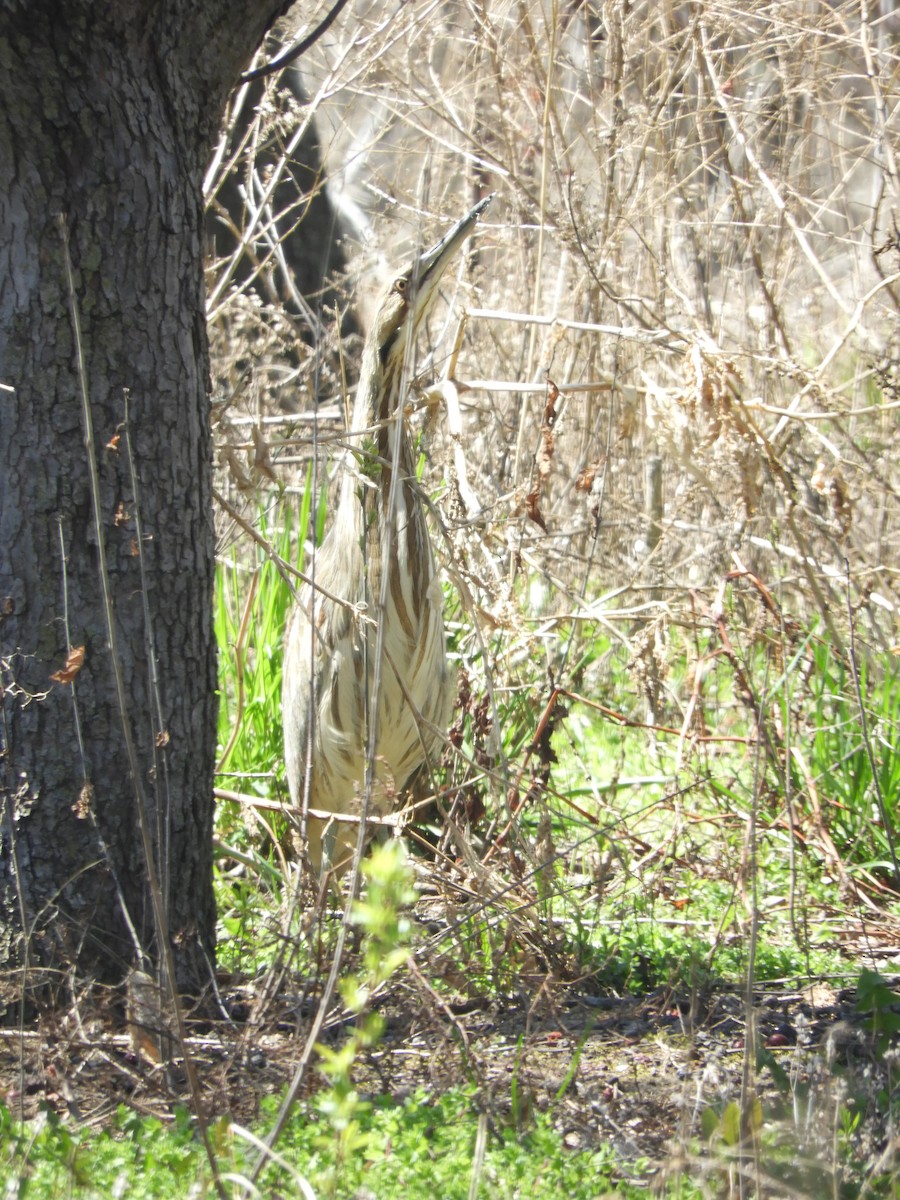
[(550, 413), (533, 508), (545, 453), (241, 479), (121, 517), (260, 459), (145, 1020), (586, 476), (74, 663), (82, 806)]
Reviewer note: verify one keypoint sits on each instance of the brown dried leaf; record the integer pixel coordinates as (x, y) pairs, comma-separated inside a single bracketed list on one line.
[(545, 453), (74, 663), (144, 1015), (260, 459), (533, 508), (586, 476), (121, 517), (82, 806), (628, 422), (707, 397), (550, 413), (240, 478), (473, 805)]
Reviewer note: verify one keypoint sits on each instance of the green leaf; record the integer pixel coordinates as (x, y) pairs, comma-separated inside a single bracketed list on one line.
[(709, 1123), (731, 1124)]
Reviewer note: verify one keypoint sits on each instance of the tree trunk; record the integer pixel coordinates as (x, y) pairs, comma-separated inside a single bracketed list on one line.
[(107, 114)]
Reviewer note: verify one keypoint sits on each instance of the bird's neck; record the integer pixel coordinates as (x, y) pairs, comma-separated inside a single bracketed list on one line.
[(377, 407)]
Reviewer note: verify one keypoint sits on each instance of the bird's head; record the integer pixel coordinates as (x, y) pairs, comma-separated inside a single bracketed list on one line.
[(409, 298)]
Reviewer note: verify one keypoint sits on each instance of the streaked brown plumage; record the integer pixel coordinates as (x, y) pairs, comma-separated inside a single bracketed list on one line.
[(374, 567)]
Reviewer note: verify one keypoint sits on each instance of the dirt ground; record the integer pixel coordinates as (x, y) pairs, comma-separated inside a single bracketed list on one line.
[(633, 1073)]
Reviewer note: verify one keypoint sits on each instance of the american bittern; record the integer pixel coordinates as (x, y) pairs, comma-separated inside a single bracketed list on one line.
[(374, 567)]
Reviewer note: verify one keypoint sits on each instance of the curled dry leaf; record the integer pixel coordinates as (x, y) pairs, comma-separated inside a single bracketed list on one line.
[(82, 806), (544, 457), (144, 1015), (242, 481), (74, 663), (707, 396), (260, 458), (586, 476), (545, 453), (550, 413), (533, 508)]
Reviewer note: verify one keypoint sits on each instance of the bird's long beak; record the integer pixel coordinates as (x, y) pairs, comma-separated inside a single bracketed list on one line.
[(432, 264)]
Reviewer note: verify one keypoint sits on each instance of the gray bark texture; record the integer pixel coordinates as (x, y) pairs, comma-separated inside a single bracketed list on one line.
[(107, 117)]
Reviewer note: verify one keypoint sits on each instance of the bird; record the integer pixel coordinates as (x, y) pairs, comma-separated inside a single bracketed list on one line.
[(366, 688)]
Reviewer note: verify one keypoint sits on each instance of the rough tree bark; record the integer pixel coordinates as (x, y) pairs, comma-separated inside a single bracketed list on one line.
[(107, 116)]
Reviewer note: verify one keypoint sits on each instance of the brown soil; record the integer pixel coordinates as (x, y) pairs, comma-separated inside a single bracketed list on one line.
[(634, 1073)]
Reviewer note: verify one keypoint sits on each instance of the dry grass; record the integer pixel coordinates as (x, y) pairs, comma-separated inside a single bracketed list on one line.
[(659, 402), (693, 237), (670, 361)]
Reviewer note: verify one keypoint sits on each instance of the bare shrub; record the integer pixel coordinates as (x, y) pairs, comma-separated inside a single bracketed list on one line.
[(692, 262)]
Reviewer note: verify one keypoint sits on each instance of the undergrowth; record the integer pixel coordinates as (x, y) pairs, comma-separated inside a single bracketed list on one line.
[(664, 414), (622, 845), (421, 1146), (620, 837)]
